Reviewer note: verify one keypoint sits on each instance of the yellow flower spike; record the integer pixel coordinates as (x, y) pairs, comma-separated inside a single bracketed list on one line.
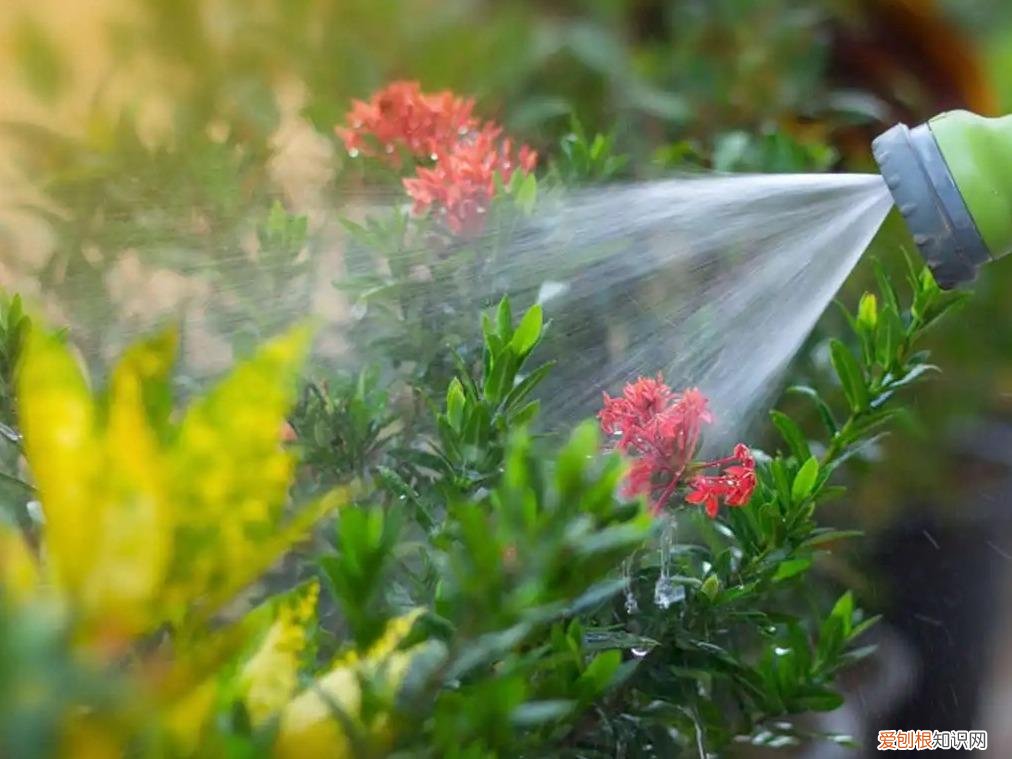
[(394, 634), (270, 676), (58, 421)]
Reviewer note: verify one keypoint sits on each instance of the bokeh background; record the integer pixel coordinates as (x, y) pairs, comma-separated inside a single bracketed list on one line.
[(137, 133)]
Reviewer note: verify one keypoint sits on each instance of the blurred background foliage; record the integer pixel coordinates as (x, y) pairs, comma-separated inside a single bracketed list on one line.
[(161, 132)]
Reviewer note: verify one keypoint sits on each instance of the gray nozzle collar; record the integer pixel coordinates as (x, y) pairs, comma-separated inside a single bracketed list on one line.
[(929, 200)]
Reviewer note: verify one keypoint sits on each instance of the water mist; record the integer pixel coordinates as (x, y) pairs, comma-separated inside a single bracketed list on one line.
[(712, 281)]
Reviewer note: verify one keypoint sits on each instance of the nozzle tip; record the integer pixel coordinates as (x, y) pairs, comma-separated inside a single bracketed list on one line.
[(931, 205)]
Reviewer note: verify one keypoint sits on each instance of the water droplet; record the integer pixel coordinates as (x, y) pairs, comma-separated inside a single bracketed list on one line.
[(359, 310), (781, 651), (433, 156), (667, 592), (551, 290), (639, 653), (354, 153), (631, 604), (34, 509)]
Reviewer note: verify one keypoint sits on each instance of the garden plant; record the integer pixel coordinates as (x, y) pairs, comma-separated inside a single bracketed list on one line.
[(399, 560)]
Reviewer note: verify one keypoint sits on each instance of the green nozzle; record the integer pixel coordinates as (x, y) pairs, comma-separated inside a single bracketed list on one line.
[(952, 180)]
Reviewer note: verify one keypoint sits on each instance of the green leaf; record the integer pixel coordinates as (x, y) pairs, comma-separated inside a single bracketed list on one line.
[(818, 700), (598, 639), (864, 425), (396, 484), (792, 435), (946, 302), (526, 414), (523, 388), (826, 535), (477, 430), (855, 655), (504, 319), (501, 376), (830, 492), (843, 612), (863, 626), (778, 468), (528, 332), (885, 286), (888, 338), (804, 480), (455, 402), (599, 674), (790, 568), (596, 594), (823, 408), (850, 374), (492, 339), (527, 193), (534, 713), (913, 375), (572, 460)]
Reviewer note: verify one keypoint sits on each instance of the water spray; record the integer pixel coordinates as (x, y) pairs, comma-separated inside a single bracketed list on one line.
[(950, 178), (713, 281)]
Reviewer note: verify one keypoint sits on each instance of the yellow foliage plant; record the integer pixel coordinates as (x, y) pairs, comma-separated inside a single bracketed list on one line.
[(152, 522)]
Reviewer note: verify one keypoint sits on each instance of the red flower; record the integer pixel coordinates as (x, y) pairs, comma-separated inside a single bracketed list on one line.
[(661, 430), (402, 117), (461, 185), (734, 484), (641, 401), (465, 154)]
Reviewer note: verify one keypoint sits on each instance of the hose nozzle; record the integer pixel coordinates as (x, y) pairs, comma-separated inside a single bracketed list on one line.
[(951, 178)]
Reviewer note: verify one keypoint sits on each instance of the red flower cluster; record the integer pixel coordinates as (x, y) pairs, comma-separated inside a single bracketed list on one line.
[(461, 185), (466, 154), (661, 430), (734, 484), (402, 117)]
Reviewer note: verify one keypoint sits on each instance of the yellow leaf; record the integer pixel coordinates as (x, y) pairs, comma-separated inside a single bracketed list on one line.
[(58, 421), (19, 574), (309, 725), (269, 678), (230, 472), (87, 737), (313, 724), (186, 719), (134, 527)]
